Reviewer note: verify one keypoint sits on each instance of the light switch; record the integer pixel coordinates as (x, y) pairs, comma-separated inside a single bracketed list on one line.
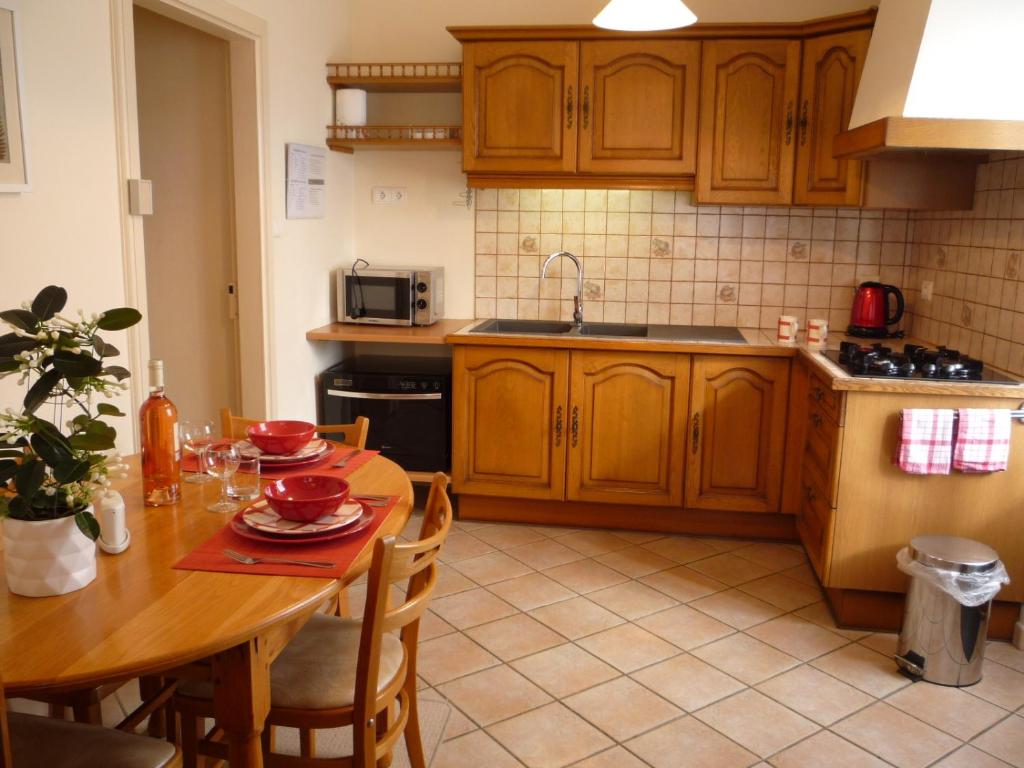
[(140, 197)]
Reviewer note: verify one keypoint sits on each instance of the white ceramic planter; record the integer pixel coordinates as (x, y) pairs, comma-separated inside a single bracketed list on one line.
[(47, 557)]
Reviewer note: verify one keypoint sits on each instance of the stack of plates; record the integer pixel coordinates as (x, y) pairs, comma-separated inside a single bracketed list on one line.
[(261, 523), (313, 451)]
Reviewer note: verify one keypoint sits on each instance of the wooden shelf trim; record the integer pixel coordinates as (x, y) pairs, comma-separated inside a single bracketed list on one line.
[(346, 138), (388, 334), (577, 181), (386, 77), (921, 134)]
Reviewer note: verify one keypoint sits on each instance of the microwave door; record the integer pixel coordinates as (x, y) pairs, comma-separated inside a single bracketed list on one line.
[(387, 299)]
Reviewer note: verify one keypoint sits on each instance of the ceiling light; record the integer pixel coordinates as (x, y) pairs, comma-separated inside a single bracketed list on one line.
[(644, 15)]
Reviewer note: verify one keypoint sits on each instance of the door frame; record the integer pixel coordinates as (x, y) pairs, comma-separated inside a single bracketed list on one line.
[(246, 36)]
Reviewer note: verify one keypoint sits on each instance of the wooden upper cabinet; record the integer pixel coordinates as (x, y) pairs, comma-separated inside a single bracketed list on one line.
[(519, 104), (627, 427), (509, 420), (737, 433), (638, 106), (831, 71), (748, 104)]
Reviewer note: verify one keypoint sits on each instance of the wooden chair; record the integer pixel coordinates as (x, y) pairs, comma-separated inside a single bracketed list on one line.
[(30, 741), (341, 672), (354, 434)]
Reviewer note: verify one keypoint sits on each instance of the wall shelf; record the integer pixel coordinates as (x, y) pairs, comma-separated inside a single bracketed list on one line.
[(346, 138)]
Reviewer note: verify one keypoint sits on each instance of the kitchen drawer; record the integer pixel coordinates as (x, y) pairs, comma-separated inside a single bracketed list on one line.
[(831, 402), (815, 519), (822, 448)]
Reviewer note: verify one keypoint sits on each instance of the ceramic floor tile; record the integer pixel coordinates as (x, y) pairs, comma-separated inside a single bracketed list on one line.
[(432, 625), (1000, 685), (515, 636), (730, 569), (492, 567), (494, 694), (474, 750), (458, 724), (970, 757), (735, 608), (1005, 741), (462, 546), (681, 549), (782, 591), (467, 609), (445, 658), (565, 670), (894, 736), (550, 737), (775, 557), (882, 642), (688, 743), (819, 613), (1005, 654), (531, 591), (450, 581), (802, 573), (576, 618), (725, 544), (503, 536), (815, 695), (632, 599), (862, 668), (635, 562), (952, 710), (745, 658), (688, 682), (685, 627), (797, 637), (826, 749), (585, 576), (628, 647), (756, 722), (616, 757), (545, 554), (593, 543), (683, 583), (637, 537), (622, 708)]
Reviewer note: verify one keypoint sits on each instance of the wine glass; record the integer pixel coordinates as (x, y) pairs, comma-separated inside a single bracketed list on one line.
[(221, 461), (196, 436)]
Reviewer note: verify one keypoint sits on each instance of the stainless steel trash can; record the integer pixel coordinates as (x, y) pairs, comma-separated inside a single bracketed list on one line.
[(941, 640)]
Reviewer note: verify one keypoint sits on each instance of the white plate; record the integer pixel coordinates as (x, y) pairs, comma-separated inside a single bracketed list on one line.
[(315, 448), (262, 518)]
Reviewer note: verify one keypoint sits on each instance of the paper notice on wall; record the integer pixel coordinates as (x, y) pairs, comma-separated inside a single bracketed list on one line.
[(305, 169)]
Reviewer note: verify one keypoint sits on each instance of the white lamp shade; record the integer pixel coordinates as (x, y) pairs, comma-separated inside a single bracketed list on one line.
[(644, 15)]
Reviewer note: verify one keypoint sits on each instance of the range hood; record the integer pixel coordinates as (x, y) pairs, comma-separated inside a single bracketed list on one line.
[(941, 76)]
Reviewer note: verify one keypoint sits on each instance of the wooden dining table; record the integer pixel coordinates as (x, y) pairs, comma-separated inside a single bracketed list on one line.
[(142, 617)]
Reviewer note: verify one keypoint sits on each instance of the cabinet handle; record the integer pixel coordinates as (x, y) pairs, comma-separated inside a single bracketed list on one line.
[(696, 431), (803, 124), (558, 426), (809, 493), (575, 424), (819, 394), (586, 106), (570, 108), (816, 419), (789, 124)]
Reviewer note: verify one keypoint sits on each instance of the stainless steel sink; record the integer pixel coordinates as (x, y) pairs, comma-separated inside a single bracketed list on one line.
[(542, 327), (614, 329), (685, 333)]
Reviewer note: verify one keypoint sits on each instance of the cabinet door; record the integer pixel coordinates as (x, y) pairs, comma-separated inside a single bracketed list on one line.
[(737, 433), (747, 121), (638, 108), (627, 424), (831, 71), (519, 106), (509, 412)]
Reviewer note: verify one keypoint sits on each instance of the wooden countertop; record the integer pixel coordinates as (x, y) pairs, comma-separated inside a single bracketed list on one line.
[(388, 334)]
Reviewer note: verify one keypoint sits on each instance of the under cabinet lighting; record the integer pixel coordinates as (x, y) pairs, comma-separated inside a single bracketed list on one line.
[(644, 15)]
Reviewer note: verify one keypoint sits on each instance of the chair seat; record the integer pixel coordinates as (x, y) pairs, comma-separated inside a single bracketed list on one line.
[(41, 742), (317, 669)]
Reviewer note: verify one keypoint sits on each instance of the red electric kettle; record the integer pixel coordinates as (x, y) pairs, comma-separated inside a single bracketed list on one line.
[(870, 315)]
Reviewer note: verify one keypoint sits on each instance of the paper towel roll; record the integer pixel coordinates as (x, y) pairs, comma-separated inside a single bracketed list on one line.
[(351, 106)]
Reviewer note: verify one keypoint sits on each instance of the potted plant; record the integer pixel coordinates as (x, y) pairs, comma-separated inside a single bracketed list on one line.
[(56, 452)]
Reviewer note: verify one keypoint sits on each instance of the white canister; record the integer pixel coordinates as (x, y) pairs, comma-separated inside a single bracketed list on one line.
[(47, 557), (114, 535), (817, 332), (788, 327), (350, 106)]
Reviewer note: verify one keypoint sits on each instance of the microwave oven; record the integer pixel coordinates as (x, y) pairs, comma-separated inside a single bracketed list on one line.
[(395, 296)]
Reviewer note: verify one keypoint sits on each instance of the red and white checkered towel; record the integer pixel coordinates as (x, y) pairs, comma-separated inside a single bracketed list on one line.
[(982, 440), (926, 441)]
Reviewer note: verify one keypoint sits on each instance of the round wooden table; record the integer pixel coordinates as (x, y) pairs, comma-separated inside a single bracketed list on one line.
[(143, 617)]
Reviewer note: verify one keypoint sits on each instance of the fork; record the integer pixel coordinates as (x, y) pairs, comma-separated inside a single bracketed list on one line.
[(249, 560), (347, 459)]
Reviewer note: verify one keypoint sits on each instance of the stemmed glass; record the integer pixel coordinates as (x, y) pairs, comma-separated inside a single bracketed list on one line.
[(196, 437), (221, 461)]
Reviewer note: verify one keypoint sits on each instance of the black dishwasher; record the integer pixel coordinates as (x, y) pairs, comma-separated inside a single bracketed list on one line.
[(406, 399)]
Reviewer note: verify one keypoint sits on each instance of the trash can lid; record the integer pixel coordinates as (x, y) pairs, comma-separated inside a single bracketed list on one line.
[(953, 553)]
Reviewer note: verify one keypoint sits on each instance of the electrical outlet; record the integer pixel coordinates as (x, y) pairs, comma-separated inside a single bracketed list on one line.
[(389, 195), (927, 289)]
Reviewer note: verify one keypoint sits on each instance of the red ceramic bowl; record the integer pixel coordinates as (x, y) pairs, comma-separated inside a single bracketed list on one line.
[(280, 437), (306, 497)]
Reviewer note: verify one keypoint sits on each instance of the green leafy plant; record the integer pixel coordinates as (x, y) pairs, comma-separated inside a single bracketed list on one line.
[(49, 471)]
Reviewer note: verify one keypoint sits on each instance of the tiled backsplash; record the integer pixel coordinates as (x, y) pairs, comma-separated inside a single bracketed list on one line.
[(654, 257), (974, 261)]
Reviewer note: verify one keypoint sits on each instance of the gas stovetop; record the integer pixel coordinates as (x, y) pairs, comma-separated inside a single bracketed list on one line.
[(914, 362)]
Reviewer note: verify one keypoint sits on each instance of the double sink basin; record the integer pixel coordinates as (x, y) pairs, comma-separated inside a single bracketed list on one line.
[(691, 333)]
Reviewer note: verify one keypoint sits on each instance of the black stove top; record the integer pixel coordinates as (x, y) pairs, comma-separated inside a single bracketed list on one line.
[(913, 362)]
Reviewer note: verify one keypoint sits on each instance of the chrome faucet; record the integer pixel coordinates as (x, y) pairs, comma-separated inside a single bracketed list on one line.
[(577, 300)]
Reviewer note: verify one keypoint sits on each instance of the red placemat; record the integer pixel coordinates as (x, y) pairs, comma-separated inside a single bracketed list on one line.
[(209, 556), (321, 466)]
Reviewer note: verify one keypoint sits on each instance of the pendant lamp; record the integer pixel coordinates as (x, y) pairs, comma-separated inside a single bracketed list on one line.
[(644, 15)]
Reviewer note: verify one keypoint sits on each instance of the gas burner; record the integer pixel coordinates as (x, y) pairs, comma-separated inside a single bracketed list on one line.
[(914, 362)]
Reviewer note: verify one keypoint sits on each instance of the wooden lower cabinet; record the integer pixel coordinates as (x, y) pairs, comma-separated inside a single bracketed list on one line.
[(627, 423), (737, 433)]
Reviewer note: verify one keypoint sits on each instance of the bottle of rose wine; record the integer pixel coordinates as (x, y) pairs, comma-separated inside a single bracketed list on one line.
[(161, 449)]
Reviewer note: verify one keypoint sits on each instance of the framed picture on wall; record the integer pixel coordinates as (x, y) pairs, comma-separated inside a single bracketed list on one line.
[(13, 160)]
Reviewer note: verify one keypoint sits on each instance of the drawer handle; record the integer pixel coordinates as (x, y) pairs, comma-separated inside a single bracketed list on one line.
[(803, 124), (586, 106), (558, 426), (819, 394), (789, 124), (570, 107), (809, 493), (696, 432), (575, 424), (816, 419)]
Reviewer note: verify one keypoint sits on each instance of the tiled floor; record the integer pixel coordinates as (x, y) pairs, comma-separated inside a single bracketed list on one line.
[(559, 647)]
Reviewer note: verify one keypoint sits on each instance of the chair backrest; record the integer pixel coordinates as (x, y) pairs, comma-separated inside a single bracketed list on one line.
[(392, 562), (234, 427)]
